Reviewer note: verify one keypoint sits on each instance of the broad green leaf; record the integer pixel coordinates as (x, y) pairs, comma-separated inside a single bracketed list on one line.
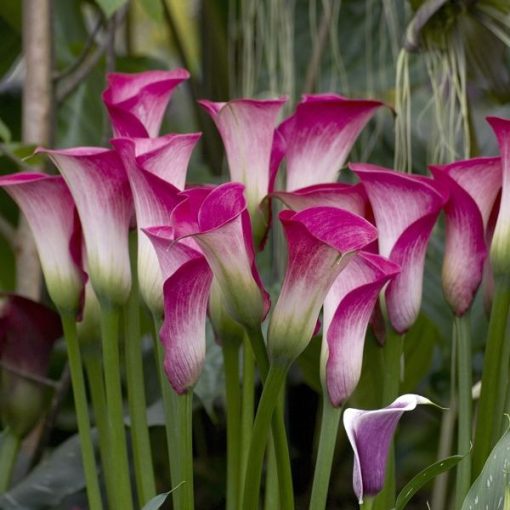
[(5, 133), (158, 500), (423, 477), (153, 9), (488, 491), (110, 6)]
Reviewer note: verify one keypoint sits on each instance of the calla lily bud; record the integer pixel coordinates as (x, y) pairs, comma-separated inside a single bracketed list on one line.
[(28, 331), (370, 434), (321, 241)]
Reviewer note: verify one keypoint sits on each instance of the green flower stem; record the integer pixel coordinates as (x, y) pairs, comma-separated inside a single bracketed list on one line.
[(185, 412), (8, 455), (113, 383), (271, 496), (170, 403), (82, 412), (268, 401), (490, 407), (94, 371), (368, 504), (462, 335), (233, 410), (326, 450)]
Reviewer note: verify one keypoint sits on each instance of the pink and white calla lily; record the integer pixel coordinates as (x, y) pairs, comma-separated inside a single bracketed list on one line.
[(137, 102)]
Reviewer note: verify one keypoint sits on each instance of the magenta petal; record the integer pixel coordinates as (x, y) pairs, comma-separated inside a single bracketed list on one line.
[(321, 135), (137, 102), (183, 332), (405, 209), (321, 241), (348, 308), (49, 209), (473, 186), (370, 434), (100, 189)]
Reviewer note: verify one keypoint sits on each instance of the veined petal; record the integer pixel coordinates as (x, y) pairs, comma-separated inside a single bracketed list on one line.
[(321, 241), (50, 211), (348, 308), (500, 247), (405, 209), (218, 220), (100, 189), (183, 331), (370, 434), (321, 135), (473, 186), (137, 102)]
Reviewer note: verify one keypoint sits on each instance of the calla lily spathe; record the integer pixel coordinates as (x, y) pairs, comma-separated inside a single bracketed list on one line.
[(405, 208), (50, 211), (473, 186), (137, 102), (321, 241)]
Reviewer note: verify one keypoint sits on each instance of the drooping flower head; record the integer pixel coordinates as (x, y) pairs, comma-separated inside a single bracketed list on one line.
[(348, 308), (473, 186), (320, 135), (28, 331), (100, 189), (156, 169), (137, 102), (321, 241), (370, 434), (405, 208), (50, 211)]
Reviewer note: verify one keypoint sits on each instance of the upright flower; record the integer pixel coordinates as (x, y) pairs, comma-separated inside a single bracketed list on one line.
[(137, 102), (405, 208), (98, 183), (50, 211), (321, 241), (247, 129), (347, 310), (156, 169), (320, 135), (473, 186), (370, 434), (218, 220)]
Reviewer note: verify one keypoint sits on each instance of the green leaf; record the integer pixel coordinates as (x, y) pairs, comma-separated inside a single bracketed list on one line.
[(488, 491), (423, 477), (5, 133), (158, 500), (153, 9), (110, 6)]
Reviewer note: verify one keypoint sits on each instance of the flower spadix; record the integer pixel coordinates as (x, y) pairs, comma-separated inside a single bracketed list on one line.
[(186, 292), (247, 129), (100, 189), (156, 169), (370, 434), (500, 247), (137, 102), (321, 241), (320, 135), (473, 186), (348, 308), (405, 208), (218, 220), (50, 211)]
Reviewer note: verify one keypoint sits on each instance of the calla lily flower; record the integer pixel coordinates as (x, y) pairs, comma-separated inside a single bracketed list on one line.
[(28, 331), (100, 189), (186, 292), (321, 241), (500, 247), (247, 129), (405, 208), (137, 102), (156, 169), (348, 308), (370, 434), (218, 220), (320, 135), (50, 211), (473, 186)]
